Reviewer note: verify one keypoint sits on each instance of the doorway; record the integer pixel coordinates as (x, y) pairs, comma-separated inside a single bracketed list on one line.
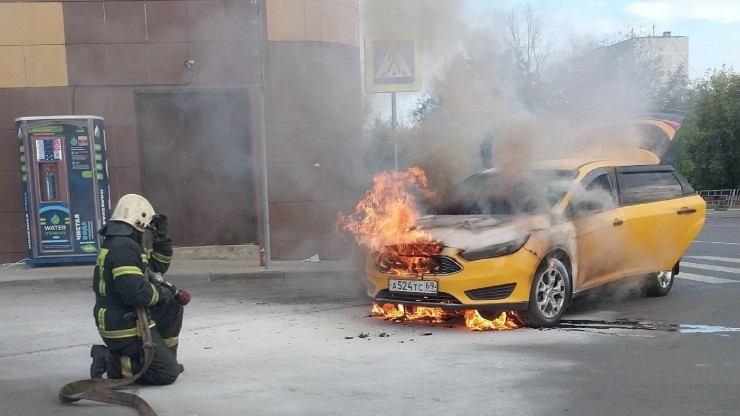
[(197, 164)]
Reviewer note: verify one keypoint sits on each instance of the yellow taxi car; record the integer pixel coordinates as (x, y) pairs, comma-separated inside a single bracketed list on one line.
[(527, 241)]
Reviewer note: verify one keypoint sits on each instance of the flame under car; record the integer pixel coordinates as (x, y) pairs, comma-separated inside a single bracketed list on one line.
[(527, 241)]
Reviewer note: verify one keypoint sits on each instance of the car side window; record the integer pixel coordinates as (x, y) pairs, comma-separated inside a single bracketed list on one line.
[(596, 196), (644, 187)]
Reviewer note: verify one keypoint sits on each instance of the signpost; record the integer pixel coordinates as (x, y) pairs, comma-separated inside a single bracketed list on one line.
[(392, 64)]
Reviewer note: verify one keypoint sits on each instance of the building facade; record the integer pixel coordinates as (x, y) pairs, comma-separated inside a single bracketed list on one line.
[(181, 86), (665, 54)]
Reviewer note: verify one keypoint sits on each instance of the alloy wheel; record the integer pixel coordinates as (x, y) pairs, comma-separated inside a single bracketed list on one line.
[(550, 292), (664, 278)]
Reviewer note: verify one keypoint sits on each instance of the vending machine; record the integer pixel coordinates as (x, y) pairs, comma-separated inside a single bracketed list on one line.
[(65, 187)]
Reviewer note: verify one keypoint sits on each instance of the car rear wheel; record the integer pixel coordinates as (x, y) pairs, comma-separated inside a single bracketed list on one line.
[(658, 284), (548, 296)]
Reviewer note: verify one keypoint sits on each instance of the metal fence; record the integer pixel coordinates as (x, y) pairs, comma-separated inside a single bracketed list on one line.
[(721, 198)]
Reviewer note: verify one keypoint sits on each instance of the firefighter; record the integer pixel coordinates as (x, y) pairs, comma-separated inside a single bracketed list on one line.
[(120, 283)]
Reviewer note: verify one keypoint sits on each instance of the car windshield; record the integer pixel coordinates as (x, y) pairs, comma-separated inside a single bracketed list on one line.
[(498, 193)]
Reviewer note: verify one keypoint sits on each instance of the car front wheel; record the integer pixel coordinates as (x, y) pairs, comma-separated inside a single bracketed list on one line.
[(548, 296), (658, 284)]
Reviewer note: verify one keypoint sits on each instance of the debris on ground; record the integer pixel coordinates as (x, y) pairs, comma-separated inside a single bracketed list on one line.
[(426, 334), (383, 334), (313, 259), (364, 334)]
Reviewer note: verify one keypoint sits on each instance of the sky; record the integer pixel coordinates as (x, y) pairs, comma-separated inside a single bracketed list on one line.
[(713, 26)]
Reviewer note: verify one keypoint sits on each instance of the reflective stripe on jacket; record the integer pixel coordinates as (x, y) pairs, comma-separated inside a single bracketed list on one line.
[(120, 284)]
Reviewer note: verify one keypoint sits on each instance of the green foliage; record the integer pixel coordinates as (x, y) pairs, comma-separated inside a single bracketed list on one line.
[(676, 93), (707, 151), (425, 105), (378, 147), (676, 154)]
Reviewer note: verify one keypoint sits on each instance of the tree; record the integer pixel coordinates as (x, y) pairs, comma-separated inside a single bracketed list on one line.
[(425, 105), (708, 148), (377, 146), (530, 51), (676, 93)]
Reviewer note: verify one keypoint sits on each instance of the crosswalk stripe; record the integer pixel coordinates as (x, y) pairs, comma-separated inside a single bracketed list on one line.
[(714, 258), (710, 267), (705, 279)]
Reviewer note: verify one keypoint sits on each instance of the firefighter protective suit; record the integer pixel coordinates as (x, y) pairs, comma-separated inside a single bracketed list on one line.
[(120, 283)]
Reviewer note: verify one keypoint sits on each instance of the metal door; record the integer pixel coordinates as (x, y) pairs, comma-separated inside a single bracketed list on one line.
[(197, 164)]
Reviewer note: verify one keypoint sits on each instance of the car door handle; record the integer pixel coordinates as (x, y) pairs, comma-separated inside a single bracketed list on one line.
[(617, 222), (684, 211)]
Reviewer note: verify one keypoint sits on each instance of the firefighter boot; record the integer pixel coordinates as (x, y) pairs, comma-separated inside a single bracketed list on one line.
[(98, 366), (174, 352)]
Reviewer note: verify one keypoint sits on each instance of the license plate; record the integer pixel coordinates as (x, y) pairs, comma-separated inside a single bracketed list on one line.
[(412, 286)]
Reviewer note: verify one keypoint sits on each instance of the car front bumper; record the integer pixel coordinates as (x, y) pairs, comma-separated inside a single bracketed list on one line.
[(499, 283)]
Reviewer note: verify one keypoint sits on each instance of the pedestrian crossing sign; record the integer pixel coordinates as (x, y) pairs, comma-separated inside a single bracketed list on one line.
[(392, 64)]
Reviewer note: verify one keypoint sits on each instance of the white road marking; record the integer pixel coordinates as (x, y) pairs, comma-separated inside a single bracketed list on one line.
[(709, 267), (705, 329), (705, 279), (714, 258), (717, 242)]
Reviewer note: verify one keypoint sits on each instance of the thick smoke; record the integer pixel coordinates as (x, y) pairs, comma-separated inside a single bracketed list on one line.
[(491, 107), (494, 111)]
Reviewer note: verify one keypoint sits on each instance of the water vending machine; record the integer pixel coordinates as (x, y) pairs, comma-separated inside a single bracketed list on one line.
[(65, 187)]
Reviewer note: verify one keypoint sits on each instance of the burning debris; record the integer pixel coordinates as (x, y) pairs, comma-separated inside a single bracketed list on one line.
[(473, 319), (476, 322), (399, 313), (385, 223)]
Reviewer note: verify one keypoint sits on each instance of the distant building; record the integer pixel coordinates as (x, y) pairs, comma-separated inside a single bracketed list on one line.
[(622, 78), (671, 53)]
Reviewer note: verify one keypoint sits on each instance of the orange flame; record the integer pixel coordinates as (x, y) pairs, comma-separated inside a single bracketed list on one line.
[(384, 222), (473, 319)]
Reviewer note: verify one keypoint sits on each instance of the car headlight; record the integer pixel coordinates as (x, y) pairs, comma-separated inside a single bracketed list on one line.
[(496, 250)]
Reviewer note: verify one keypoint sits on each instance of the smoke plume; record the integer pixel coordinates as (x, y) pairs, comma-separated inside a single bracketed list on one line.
[(494, 106)]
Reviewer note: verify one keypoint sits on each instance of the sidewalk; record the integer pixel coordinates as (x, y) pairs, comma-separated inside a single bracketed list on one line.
[(181, 271)]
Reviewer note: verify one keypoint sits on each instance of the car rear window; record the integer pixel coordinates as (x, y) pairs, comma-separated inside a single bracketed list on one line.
[(644, 187), (491, 193)]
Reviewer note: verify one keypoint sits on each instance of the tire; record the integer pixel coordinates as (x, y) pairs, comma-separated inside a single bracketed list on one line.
[(658, 284), (548, 297)]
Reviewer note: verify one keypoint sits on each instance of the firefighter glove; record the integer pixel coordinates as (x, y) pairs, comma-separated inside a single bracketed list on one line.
[(169, 286), (165, 294), (158, 226)]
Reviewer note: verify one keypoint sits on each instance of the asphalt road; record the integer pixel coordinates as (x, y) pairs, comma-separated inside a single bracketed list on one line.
[(295, 348)]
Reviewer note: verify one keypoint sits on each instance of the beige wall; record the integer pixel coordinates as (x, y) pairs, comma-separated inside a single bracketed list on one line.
[(94, 57), (32, 49), (334, 21)]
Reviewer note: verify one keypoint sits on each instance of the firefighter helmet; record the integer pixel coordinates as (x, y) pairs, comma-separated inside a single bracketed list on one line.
[(134, 210)]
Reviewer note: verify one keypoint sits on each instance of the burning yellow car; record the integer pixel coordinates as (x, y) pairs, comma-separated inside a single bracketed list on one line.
[(527, 241)]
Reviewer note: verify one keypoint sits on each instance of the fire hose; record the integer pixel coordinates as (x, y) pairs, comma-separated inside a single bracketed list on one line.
[(105, 390)]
